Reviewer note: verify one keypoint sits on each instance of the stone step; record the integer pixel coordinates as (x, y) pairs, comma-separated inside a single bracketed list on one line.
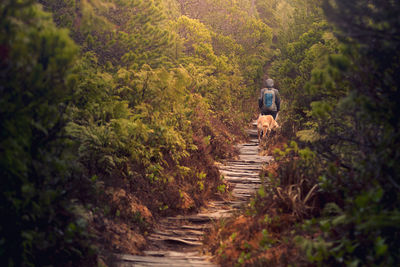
[(246, 145), (241, 181), (166, 260), (252, 132), (246, 186), (245, 176), (243, 169)]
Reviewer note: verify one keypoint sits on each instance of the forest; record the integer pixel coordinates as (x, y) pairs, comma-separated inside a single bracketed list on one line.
[(114, 112)]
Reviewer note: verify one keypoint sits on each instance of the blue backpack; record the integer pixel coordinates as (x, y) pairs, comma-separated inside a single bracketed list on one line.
[(269, 100)]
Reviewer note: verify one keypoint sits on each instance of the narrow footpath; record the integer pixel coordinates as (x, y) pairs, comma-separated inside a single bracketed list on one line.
[(177, 241)]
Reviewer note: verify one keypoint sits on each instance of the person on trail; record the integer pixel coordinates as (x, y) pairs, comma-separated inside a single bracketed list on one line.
[(270, 99)]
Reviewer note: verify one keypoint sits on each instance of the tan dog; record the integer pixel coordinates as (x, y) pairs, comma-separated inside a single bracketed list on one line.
[(265, 124)]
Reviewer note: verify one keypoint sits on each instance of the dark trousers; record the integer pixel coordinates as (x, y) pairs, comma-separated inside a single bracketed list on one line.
[(272, 113)]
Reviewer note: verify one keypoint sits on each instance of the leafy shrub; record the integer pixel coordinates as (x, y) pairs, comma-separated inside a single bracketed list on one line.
[(42, 223), (359, 143)]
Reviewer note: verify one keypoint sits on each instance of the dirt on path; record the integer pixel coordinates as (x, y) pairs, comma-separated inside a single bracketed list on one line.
[(177, 241)]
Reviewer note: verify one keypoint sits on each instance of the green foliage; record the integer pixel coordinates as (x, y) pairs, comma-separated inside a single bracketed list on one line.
[(40, 223), (241, 37), (366, 244), (365, 137), (114, 136), (300, 61), (150, 92), (212, 76), (121, 33), (349, 120)]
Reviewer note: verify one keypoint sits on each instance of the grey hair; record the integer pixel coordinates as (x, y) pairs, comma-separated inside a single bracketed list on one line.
[(269, 83)]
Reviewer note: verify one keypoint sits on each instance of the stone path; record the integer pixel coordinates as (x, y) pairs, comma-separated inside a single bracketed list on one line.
[(177, 241)]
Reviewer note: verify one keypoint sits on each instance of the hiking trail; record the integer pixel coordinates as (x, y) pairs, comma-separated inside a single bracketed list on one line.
[(177, 241)]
